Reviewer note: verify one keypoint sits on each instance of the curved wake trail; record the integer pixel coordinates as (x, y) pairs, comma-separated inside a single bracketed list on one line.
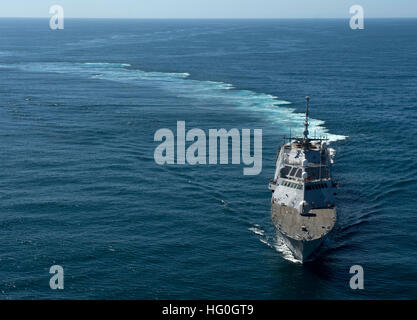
[(274, 109)]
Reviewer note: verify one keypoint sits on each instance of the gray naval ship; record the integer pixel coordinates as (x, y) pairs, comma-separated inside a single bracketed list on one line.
[(302, 204)]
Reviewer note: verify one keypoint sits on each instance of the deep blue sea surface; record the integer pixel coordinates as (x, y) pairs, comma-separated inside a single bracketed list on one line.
[(79, 186)]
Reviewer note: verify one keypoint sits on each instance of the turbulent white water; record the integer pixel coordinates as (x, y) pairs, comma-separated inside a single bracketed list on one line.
[(274, 109), (275, 243)]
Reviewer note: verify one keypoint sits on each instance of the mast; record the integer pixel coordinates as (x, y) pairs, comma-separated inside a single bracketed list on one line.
[(306, 121)]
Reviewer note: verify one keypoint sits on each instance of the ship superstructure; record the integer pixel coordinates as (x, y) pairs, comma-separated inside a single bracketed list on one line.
[(302, 204)]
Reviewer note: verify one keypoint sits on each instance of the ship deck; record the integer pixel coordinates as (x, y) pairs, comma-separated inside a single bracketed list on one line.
[(291, 223)]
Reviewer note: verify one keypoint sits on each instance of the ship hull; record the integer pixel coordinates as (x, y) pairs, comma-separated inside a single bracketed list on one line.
[(303, 234), (303, 251)]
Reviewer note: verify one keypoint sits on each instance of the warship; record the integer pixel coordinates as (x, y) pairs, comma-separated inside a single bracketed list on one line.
[(302, 205)]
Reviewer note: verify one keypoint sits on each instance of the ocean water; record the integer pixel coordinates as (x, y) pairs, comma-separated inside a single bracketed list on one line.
[(79, 186)]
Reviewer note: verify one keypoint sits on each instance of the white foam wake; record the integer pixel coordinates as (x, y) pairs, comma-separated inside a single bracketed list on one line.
[(257, 231), (270, 107), (275, 243)]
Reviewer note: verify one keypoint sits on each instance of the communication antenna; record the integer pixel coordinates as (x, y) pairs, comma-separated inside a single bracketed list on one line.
[(306, 121)]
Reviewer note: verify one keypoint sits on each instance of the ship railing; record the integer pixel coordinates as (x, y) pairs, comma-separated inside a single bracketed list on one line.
[(293, 178), (292, 162)]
